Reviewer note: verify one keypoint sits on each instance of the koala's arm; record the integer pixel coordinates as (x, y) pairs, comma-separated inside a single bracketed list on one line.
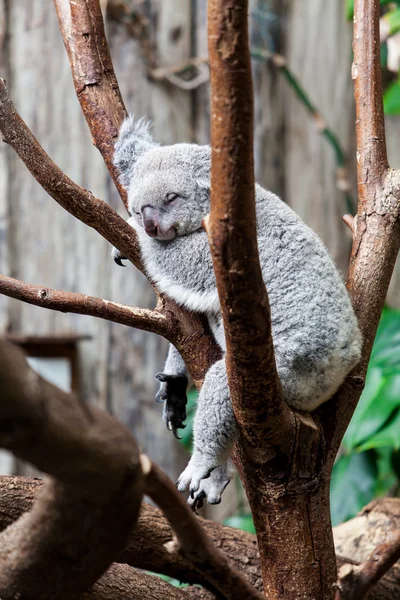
[(174, 381)]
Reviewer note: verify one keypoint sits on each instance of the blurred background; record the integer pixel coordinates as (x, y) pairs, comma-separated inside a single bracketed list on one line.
[(304, 151)]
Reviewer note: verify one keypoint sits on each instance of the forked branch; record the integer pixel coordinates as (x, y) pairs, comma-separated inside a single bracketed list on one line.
[(376, 239), (356, 581), (73, 198)]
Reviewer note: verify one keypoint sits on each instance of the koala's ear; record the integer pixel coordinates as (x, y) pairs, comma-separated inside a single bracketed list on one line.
[(134, 139), (203, 167)]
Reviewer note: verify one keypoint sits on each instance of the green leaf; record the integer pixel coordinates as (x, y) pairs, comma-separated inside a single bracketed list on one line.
[(187, 433), (349, 9), (387, 342), (386, 479), (395, 463), (391, 99), (389, 435), (243, 522), (353, 484), (392, 19), (379, 400)]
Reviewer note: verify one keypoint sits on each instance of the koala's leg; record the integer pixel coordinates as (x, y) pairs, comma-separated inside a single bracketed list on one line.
[(215, 430), (211, 488), (174, 382)]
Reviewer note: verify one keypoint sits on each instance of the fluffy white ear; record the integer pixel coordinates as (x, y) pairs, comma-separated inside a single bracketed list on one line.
[(203, 164), (134, 140)]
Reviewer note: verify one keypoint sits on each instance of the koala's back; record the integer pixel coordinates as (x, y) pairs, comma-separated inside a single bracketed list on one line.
[(315, 332)]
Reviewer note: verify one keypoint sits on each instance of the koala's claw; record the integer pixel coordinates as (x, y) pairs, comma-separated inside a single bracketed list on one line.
[(210, 489), (118, 257), (204, 481), (173, 392)]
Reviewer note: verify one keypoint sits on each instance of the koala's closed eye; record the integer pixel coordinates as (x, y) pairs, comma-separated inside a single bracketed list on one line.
[(171, 196)]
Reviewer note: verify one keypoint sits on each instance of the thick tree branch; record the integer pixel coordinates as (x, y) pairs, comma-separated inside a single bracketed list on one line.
[(84, 516), (72, 302), (121, 582), (356, 581), (96, 85), (231, 228), (152, 535), (192, 540), (376, 239)]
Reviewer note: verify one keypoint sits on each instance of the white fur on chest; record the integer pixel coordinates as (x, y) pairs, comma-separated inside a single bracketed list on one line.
[(202, 302)]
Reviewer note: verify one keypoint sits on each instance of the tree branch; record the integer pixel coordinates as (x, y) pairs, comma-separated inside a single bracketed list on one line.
[(376, 239), (231, 227), (72, 302), (96, 85), (73, 198), (84, 517), (192, 540), (356, 581), (152, 534), (121, 582)]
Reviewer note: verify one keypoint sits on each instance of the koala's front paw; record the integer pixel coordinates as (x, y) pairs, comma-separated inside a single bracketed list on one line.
[(199, 467), (173, 392), (211, 488), (118, 257)]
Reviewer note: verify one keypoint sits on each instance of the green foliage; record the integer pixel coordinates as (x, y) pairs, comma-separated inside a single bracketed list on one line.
[(391, 98), (187, 433), (370, 463), (350, 7), (241, 521)]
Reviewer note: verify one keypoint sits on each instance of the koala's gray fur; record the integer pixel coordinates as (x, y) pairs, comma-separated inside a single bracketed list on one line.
[(315, 333)]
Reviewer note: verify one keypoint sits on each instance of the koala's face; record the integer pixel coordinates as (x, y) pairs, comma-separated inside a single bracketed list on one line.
[(169, 190)]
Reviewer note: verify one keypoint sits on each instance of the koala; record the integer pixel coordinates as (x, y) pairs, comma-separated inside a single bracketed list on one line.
[(314, 329)]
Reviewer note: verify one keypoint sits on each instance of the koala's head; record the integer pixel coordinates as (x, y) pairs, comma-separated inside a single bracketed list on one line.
[(168, 186)]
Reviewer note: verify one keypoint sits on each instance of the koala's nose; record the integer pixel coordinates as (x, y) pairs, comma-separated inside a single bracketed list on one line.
[(150, 221)]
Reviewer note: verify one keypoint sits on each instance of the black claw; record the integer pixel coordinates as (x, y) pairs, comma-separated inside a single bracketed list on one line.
[(173, 392), (118, 260), (198, 503), (175, 434)]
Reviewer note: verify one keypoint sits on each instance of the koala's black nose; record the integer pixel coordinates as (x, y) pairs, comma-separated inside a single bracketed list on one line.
[(150, 221)]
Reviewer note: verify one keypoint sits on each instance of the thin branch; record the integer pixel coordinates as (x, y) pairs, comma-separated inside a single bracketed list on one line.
[(72, 302), (192, 540), (96, 85), (376, 240), (355, 582), (231, 229), (372, 162), (82, 518), (73, 198)]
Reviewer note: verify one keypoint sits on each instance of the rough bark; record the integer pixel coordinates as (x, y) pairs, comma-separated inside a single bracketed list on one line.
[(280, 452), (354, 540), (356, 581), (83, 517)]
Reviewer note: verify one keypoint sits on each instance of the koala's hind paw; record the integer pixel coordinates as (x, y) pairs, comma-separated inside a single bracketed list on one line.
[(173, 392), (199, 468), (211, 488), (118, 257)]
